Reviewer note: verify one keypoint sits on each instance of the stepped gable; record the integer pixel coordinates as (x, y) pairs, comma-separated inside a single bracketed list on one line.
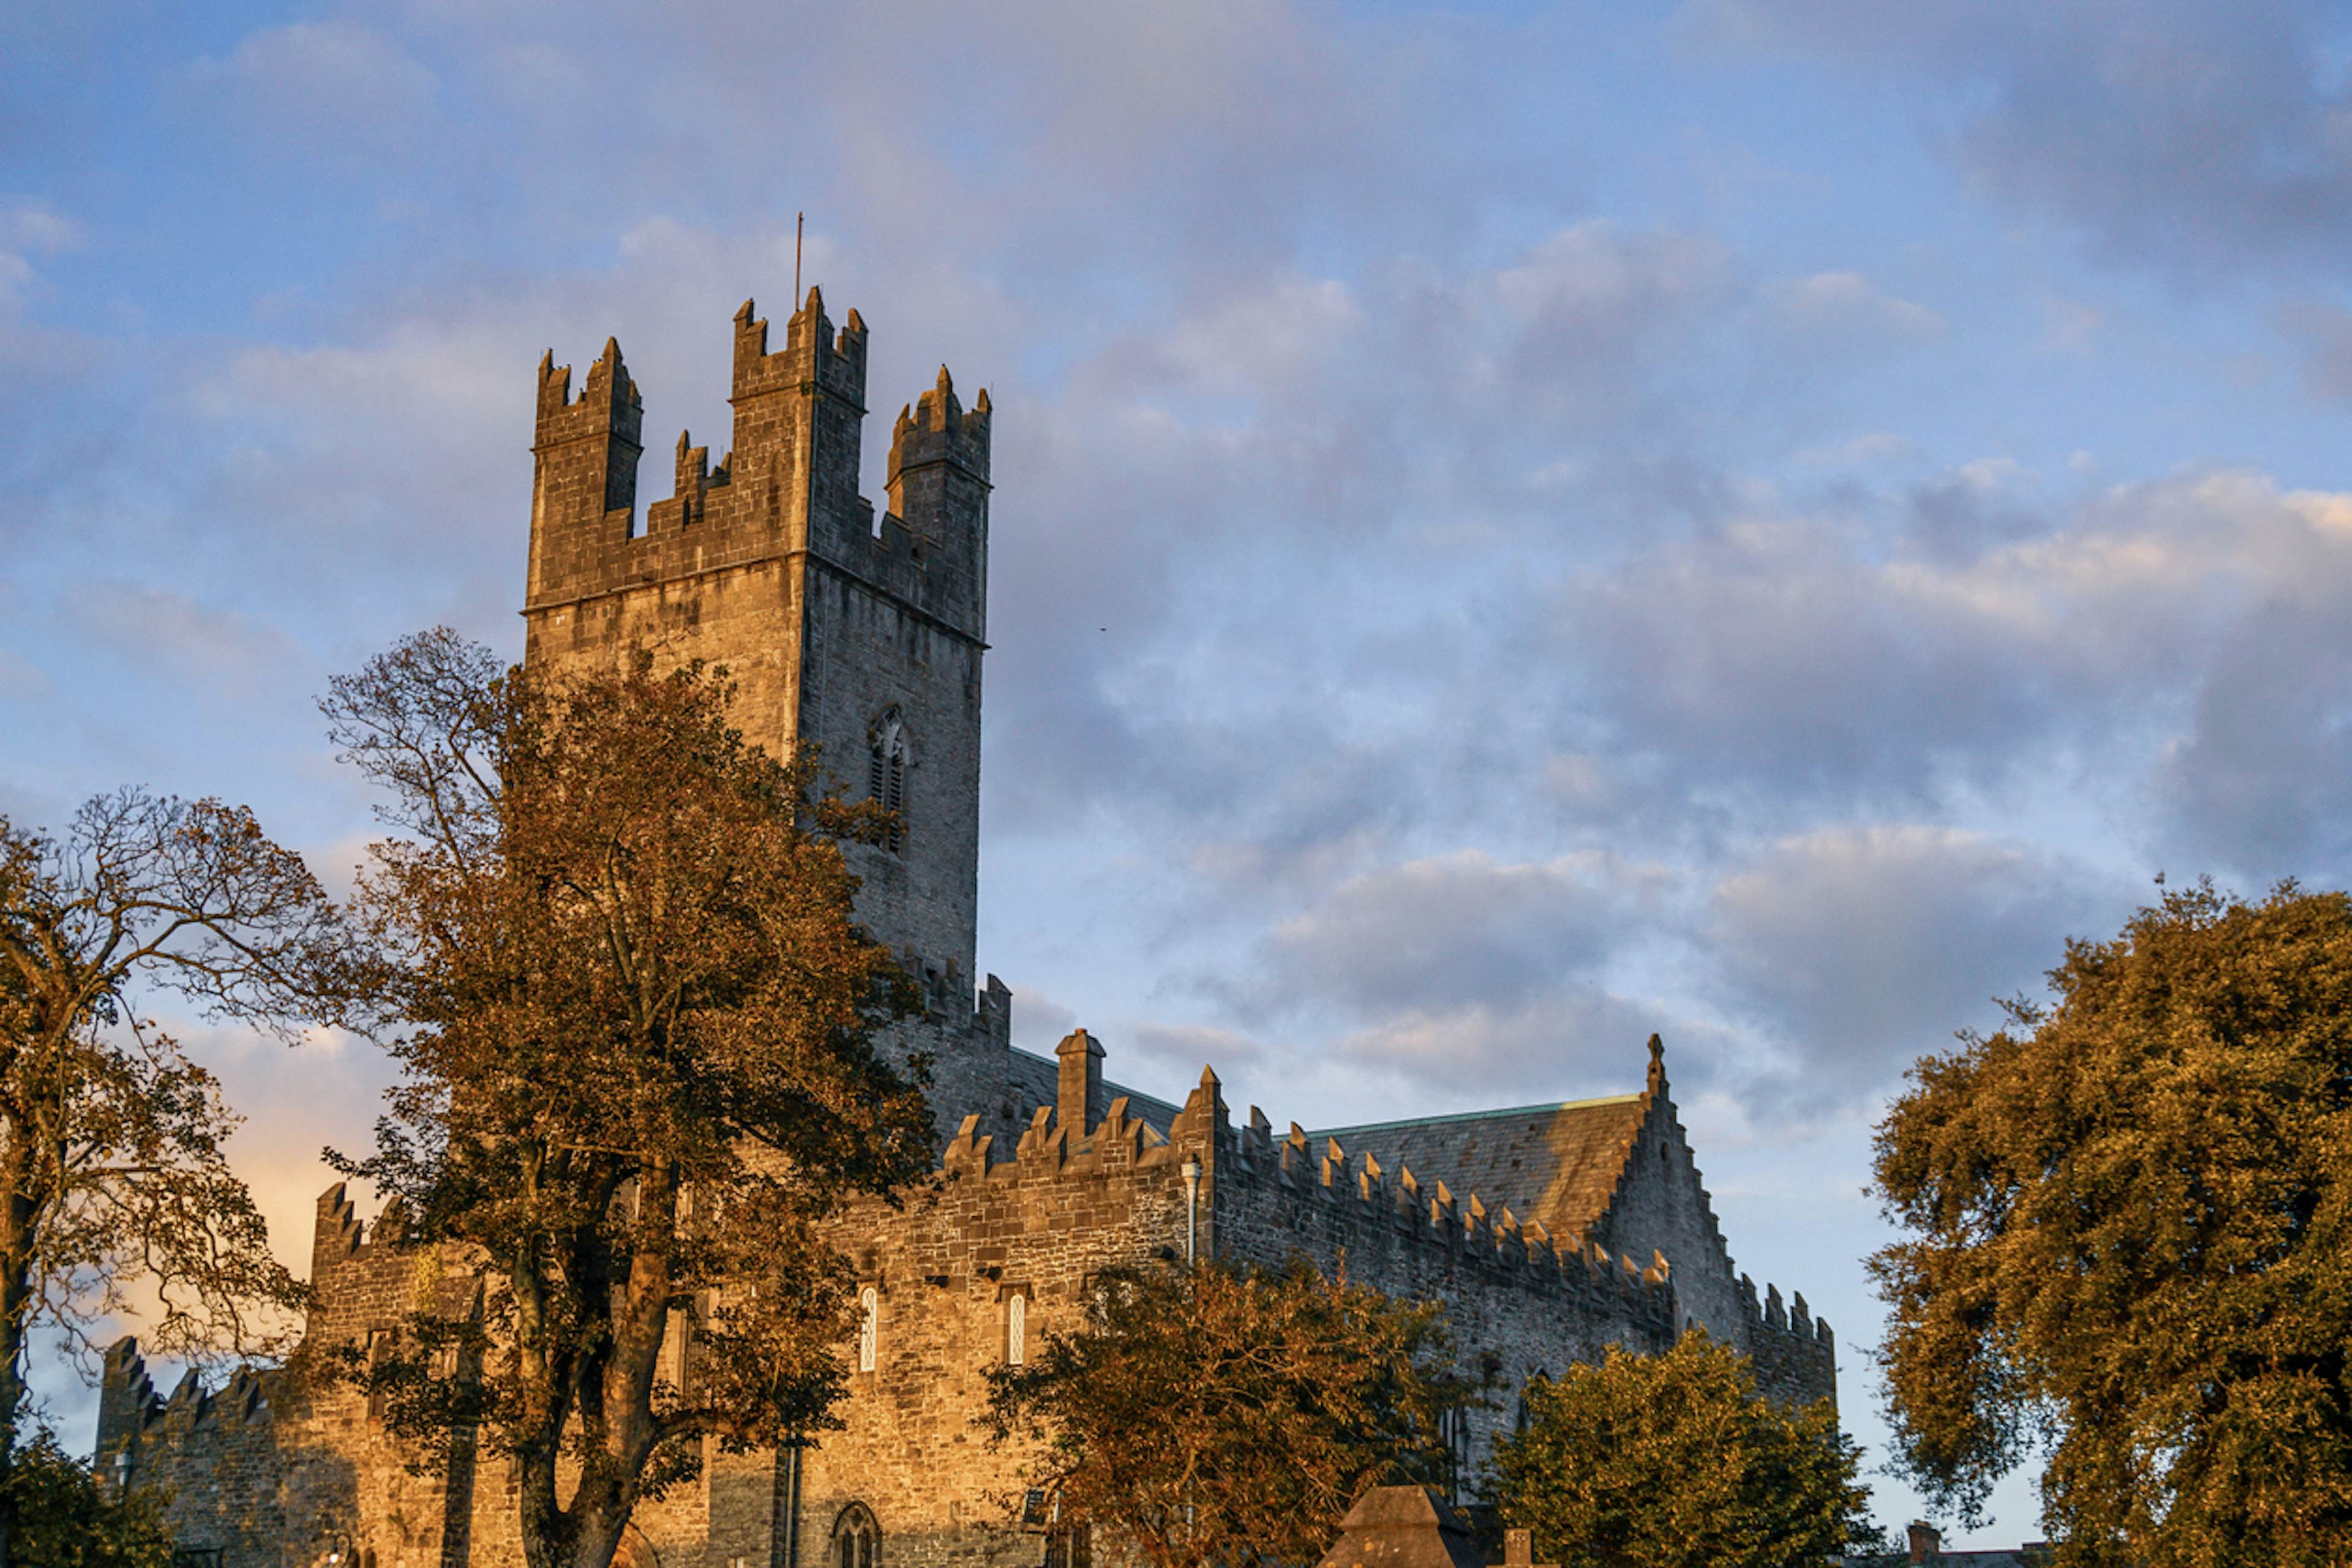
[(1556, 1164)]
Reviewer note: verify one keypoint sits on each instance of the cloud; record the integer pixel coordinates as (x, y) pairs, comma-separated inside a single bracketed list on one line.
[(335, 90), (1179, 1051), (1805, 654), (2205, 138), (28, 231), (2324, 332), (1461, 971), (1874, 446), (1867, 946), (1452, 930), (1841, 306), (1568, 1043), (1039, 1023), (175, 639)]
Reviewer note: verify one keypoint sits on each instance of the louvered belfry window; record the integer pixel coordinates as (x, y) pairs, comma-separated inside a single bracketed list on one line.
[(887, 778)]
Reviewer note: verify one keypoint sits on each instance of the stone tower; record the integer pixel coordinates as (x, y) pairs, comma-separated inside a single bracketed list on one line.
[(865, 642)]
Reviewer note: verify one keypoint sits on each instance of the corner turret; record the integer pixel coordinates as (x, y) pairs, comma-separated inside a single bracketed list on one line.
[(798, 416), (585, 481), (938, 480)]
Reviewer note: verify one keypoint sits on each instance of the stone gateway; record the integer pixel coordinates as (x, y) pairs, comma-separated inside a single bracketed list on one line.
[(1547, 1231)]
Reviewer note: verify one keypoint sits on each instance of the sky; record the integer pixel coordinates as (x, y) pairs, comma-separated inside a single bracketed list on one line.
[(1516, 526)]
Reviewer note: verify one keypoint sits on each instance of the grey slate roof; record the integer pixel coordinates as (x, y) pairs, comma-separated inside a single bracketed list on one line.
[(1555, 1164), (1036, 1081)]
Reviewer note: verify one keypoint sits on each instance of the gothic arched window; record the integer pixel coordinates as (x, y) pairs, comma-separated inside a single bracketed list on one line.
[(1520, 1415), (887, 776), (1016, 1328), (857, 1539), (869, 1313)]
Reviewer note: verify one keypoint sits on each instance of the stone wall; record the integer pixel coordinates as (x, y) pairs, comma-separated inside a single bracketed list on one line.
[(1660, 1208), (1083, 1185), (279, 1463)]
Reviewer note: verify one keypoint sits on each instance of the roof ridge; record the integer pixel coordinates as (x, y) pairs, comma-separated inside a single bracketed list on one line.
[(1144, 1098), (1591, 1103)]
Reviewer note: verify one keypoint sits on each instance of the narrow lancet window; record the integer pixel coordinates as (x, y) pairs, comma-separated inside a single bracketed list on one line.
[(886, 777), (869, 1311)]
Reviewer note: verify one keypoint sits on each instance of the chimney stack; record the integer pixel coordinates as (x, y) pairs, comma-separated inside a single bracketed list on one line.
[(1079, 1090)]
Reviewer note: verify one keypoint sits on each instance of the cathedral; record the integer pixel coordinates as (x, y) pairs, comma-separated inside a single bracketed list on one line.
[(1547, 1232)]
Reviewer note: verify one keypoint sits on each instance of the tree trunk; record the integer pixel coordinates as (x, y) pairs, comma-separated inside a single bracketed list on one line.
[(15, 1305), (545, 1529)]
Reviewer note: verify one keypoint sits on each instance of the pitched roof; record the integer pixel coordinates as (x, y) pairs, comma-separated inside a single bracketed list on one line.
[(1035, 1080), (1402, 1527), (1555, 1164)]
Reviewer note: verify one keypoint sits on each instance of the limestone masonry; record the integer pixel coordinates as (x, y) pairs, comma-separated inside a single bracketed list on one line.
[(1547, 1231)]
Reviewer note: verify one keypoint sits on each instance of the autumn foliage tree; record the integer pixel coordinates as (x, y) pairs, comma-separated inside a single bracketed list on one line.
[(69, 1516), (2129, 1242), (636, 1023), (112, 1170), (1674, 1462), (1211, 1415)]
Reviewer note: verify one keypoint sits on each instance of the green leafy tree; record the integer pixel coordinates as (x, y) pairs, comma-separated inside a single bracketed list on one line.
[(636, 1028), (2127, 1246), (115, 1191), (69, 1517), (1674, 1462), (1230, 1416)]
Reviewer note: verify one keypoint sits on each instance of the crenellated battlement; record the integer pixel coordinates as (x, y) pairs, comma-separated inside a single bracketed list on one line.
[(813, 354), (131, 1411), (608, 402), (1263, 1196), (1792, 1320), (789, 485), (1339, 1209), (938, 460), (340, 1236)]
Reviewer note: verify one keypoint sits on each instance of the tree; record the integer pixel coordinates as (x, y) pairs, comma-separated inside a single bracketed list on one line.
[(2127, 1241), (1215, 1415), (111, 1162), (635, 1024), (70, 1518), (1674, 1461)]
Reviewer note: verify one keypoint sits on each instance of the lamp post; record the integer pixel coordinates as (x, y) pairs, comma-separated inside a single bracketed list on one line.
[(1191, 1174)]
